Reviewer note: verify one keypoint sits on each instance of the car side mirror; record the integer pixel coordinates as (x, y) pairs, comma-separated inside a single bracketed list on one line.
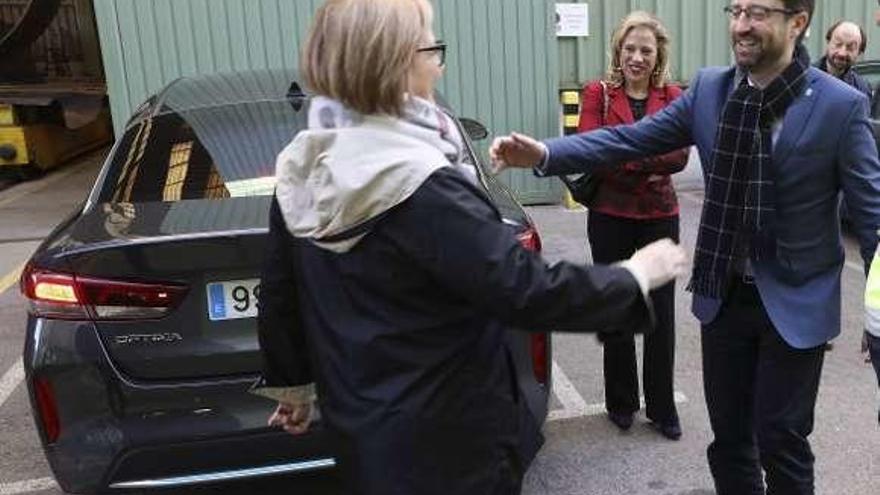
[(475, 130)]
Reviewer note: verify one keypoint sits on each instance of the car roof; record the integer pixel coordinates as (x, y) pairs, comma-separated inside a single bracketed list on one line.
[(204, 91)]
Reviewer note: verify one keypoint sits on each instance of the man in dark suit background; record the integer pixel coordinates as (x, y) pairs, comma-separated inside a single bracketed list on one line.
[(778, 141), (846, 42)]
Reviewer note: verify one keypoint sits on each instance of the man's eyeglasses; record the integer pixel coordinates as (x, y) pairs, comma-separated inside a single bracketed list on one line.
[(439, 49), (756, 12)]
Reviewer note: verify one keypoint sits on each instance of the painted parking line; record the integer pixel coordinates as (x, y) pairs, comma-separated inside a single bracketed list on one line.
[(598, 409), (15, 374), (574, 405), (10, 380), (27, 486), (11, 278), (8, 383)]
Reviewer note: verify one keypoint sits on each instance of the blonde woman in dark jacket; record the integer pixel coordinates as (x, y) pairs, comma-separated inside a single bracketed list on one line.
[(390, 279)]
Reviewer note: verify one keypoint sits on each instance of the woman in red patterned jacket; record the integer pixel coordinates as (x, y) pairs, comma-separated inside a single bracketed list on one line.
[(634, 205)]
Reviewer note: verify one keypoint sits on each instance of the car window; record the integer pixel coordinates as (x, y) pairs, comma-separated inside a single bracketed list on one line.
[(227, 151), (208, 153)]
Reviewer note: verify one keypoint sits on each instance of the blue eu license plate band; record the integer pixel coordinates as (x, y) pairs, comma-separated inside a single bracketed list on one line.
[(216, 302)]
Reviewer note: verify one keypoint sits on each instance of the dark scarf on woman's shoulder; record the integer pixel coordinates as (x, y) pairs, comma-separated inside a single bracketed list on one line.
[(740, 204)]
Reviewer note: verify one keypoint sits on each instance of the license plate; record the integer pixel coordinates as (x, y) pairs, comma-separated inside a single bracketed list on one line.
[(233, 299)]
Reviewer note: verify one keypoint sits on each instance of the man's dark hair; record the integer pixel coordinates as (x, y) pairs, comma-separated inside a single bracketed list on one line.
[(807, 6), (862, 46)]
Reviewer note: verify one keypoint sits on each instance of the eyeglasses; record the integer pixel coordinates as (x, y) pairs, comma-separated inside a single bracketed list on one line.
[(439, 49), (756, 12)]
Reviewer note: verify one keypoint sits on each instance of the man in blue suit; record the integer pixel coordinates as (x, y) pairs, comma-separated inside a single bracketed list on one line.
[(778, 141)]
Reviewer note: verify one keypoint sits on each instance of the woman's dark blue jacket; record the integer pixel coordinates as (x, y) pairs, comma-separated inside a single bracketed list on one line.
[(405, 337)]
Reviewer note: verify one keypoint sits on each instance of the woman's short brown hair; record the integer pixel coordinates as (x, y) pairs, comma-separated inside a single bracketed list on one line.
[(633, 20), (360, 51)]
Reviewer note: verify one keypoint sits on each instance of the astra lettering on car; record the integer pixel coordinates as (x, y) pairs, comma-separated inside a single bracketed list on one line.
[(152, 338)]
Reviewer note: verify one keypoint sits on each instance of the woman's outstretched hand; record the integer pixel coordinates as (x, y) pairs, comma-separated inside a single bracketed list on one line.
[(294, 418)]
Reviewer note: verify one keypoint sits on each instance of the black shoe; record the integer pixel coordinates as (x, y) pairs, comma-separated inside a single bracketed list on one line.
[(669, 429), (622, 420)]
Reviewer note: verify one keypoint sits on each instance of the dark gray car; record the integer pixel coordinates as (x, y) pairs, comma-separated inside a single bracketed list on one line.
[(141, 340)]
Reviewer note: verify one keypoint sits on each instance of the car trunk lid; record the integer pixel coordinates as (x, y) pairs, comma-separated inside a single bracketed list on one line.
[(213, 248)]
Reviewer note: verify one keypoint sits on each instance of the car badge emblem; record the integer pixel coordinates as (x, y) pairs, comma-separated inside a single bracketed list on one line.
[(148, 338)]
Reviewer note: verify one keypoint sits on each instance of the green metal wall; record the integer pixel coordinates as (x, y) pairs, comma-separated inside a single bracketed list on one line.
[(501, 63), (699, 34), (505, 65)]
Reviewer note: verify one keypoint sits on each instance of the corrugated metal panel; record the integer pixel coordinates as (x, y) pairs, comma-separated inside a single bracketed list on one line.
[(501, 62), (699, 34)]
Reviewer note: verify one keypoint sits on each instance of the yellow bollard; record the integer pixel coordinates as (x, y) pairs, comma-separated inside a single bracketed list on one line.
[(570, 101)]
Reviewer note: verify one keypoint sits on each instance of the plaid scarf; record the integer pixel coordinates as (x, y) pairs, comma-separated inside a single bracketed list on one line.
[(740, 204)]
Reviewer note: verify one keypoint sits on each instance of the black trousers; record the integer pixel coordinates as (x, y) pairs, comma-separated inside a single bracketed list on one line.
[(874, 350), (613, 239), (760, 393)]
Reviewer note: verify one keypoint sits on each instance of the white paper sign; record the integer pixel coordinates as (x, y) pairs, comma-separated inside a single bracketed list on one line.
[(572, 19)]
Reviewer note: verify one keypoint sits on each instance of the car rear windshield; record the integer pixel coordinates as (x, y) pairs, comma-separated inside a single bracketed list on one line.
[(222, 152), (207, 153)]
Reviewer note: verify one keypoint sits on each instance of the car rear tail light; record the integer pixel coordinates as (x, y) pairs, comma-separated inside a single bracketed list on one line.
[(538, 350), (530, 239), (47, 408), (69, 296), (538, 341)]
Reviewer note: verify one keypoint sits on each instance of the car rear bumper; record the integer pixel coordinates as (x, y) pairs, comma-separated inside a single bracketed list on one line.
[(245, 456), (116, 433)]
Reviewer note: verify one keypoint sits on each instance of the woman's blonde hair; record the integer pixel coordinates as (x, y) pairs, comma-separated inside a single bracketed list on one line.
[(633, 20), (360, 52)]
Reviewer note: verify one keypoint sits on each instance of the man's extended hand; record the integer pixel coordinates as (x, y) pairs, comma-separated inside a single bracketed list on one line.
[(866, 354), (516, 150), (294, 418)]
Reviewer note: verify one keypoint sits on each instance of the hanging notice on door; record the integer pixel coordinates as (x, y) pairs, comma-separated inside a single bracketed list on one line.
[(572, 19)]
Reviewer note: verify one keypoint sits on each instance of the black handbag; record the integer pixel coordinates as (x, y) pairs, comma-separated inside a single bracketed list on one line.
[(584, 187)]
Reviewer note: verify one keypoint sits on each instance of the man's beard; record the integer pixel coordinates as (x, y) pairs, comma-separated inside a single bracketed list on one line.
[(840, 66), (765, 55)]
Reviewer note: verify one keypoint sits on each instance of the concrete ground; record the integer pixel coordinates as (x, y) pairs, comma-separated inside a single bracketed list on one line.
[(584, 453)]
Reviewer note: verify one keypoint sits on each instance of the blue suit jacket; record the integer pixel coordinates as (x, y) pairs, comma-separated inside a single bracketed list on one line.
[(825, 146)]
